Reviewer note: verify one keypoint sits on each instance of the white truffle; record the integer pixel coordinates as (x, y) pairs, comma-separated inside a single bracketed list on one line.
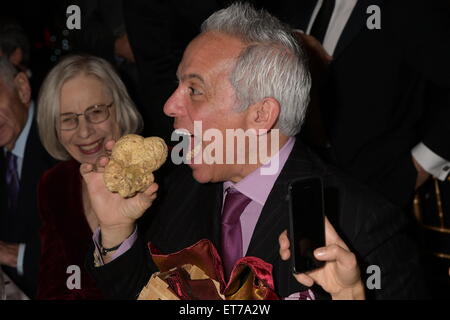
[(132, 163)]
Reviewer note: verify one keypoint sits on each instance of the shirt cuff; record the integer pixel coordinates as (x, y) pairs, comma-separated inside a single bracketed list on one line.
[(124, 247), (20, 257), (304, 295), (431, 162)]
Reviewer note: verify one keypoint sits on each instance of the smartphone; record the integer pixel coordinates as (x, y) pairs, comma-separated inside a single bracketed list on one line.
[(307, 223)]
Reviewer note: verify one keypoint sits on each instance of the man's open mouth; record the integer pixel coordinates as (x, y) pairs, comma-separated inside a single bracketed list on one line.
[(195, 143)]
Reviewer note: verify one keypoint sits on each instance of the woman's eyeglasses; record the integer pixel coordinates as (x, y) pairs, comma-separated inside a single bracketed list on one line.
[(94, 114)]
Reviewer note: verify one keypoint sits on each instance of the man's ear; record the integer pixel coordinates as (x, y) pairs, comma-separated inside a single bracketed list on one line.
[(23, 88), (264, 114)]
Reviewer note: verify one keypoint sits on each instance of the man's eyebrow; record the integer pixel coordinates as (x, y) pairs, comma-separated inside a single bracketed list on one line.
[(192, 76)]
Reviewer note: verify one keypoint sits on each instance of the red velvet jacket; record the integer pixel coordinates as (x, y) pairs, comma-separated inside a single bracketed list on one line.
[(65, 234)]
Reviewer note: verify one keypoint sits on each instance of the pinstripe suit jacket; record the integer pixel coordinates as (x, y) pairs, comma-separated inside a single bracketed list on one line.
[(187, 211)]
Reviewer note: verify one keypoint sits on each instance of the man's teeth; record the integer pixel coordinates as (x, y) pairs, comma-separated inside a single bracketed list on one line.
[(183, 132), (194, 152), (90, 147)]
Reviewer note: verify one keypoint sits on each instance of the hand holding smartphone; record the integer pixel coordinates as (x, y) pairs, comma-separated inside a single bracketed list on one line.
[(307, 223)]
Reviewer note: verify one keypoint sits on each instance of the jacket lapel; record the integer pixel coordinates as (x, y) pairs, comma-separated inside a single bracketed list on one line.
[(355, 24), (32, 166), (36, 161)]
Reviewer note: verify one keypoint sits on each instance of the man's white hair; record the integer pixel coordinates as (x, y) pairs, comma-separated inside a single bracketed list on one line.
[(272, 64)]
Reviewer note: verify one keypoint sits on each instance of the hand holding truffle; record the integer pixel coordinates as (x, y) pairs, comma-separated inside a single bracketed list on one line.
[(128, 176)]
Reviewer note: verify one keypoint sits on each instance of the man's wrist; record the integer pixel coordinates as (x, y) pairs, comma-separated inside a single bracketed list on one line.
[(114, 236), (422, 174)]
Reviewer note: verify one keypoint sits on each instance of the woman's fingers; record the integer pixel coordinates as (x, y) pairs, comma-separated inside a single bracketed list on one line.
[(336, 253), (304, 279), (283, 241)]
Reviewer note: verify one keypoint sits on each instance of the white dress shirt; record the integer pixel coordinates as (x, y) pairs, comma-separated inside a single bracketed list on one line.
[(341, 13)]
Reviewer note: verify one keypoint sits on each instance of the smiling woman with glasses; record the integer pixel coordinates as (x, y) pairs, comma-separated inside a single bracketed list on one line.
[(82, 104)]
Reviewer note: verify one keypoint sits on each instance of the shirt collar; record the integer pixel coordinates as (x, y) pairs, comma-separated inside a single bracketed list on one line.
[(19, 147), (256, 185)]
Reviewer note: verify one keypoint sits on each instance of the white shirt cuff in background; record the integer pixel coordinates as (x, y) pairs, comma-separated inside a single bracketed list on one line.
[(431, 162)]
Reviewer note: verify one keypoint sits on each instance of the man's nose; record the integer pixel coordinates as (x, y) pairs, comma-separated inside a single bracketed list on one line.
[(175, 106)]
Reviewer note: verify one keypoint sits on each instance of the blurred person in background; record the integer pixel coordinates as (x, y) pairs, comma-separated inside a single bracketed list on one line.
[(14, 44), (22, 161)]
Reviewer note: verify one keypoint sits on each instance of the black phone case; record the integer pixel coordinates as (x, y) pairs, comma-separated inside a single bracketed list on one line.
[(311, 263)]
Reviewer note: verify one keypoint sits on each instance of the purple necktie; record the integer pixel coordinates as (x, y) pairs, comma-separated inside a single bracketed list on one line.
[(12, 181), (234, 205)]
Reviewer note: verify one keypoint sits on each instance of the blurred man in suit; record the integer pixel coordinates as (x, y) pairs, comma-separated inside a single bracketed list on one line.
[(385, 96), (22, 161)]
